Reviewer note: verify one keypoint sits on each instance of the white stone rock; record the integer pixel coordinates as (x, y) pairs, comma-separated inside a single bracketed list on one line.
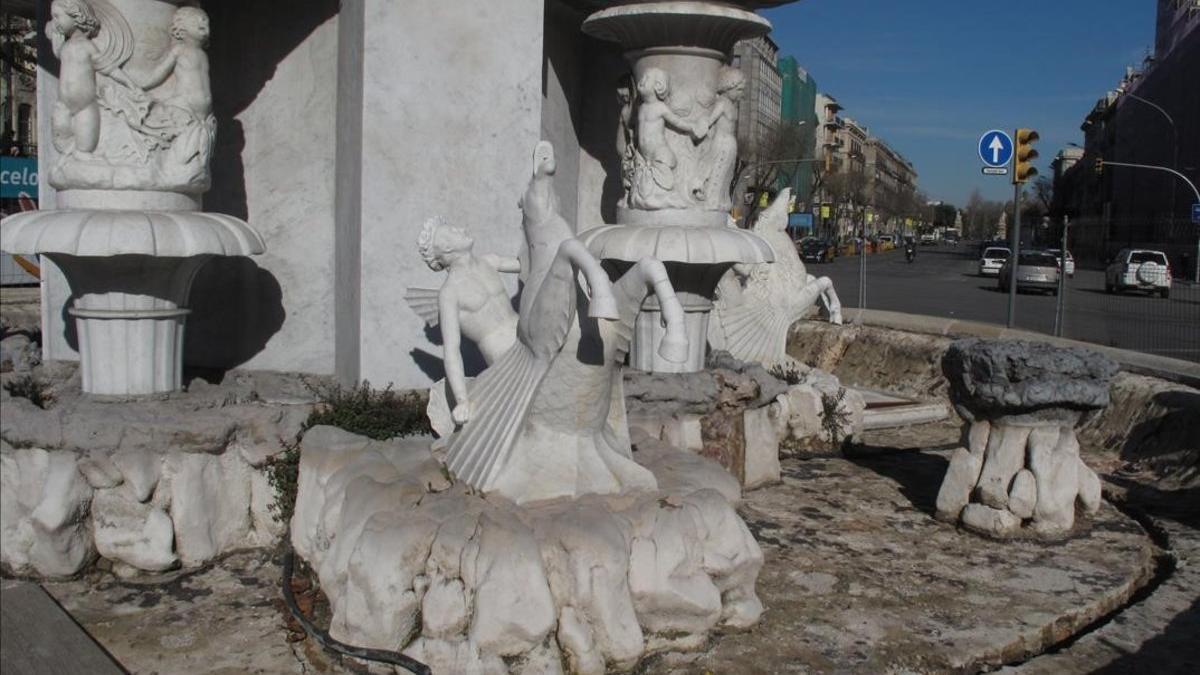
[(683, 472), (762, 445), (990, 521), (210, 503), (1022, 498), (601, 581), (575, 641), (683, 432), (514, 610), (977, 437), (1090, 489), (378, 606), (586, 551), (959, 482), (1004, 457), (444, 609), (62, 538), (140, 470), (99, 471), (137, 534), (804, 406), (1056, 468)]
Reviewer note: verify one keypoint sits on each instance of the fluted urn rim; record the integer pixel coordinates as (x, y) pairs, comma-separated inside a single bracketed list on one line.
[(679, 23), (671, 243), (127, 232)]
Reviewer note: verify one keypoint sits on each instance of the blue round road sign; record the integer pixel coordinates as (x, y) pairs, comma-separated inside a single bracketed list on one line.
[(995, 148)]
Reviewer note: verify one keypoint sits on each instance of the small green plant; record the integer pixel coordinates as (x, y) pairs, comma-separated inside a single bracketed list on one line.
[(833, 417), (31, 388), (789, 374), (379, 414), (283, 473)]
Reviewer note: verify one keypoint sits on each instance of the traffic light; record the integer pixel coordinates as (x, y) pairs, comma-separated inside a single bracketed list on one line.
[(1024, 154), (1099, 166)]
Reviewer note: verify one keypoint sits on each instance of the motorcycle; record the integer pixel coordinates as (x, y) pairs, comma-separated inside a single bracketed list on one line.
[(910, 252)]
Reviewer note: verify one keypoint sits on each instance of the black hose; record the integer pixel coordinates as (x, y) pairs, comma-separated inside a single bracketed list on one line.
[(322, 637)]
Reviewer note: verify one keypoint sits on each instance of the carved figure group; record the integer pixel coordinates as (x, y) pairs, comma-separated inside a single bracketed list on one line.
[(678, 150), (114, 128), (722, 124), (547, 418)]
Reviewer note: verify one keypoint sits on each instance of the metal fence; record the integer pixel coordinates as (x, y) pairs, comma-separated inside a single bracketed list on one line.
[(944, 281)]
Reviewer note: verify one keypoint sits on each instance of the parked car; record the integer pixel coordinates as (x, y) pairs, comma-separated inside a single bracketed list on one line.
[(1070, 264), (1036, 271), (816, 250), (992, 260), (1139, 269)]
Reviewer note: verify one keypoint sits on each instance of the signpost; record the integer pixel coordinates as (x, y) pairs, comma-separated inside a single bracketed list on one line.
[(996, 150)]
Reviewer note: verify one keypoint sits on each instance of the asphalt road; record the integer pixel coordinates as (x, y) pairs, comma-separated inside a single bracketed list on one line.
[(942, 281)]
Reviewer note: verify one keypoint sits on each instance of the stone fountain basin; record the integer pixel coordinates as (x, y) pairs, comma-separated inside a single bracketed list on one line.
[(99, 233), (130, 273)]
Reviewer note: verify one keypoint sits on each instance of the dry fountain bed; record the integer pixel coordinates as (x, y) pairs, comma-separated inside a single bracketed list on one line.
[(858, 577)]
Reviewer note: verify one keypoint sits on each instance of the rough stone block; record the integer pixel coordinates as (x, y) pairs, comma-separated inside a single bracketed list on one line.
[(762, 446), (1004, 457), (989, 521), (959, 482), (1022, 498)]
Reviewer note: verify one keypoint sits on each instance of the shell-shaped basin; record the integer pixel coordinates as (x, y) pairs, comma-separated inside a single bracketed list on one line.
[(672, 243), (643, 25), (83, 232)]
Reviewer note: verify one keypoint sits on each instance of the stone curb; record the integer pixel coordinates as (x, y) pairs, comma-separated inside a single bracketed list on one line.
[(1174, 370)]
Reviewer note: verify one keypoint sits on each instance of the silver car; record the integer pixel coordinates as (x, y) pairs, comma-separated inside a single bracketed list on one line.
[(992, 260), (1036, 271)]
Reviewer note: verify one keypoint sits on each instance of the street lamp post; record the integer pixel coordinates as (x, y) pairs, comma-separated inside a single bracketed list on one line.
[(1174, 138)]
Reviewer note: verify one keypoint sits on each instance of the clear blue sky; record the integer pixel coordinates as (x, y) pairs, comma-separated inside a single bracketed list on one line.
[(930, 76)]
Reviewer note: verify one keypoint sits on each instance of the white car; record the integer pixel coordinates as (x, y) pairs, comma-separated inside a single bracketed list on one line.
[(1139, 269), (1070, 268), (992, 260)]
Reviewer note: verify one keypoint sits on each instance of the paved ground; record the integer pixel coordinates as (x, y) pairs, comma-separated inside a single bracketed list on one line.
[(942, 281), (858, 578)]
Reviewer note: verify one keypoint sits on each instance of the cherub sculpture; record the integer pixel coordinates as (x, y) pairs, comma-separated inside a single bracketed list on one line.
[(654, 177), (116, 130), (472, 303), (188, 63), (756, 305), (626, 143), (76, 118), (714, 191), (548, 418)]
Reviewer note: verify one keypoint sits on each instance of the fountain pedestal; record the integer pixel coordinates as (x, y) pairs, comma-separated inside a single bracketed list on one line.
[(679, 150), (130, 163)]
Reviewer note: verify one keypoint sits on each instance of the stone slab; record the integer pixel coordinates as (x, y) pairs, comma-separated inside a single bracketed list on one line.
[(859, 577), (37, 636)]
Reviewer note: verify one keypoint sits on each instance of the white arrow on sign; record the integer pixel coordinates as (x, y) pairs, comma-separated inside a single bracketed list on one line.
[(995, 146)]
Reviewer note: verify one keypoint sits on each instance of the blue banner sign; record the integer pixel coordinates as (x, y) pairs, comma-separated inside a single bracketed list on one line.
[(18, 176)]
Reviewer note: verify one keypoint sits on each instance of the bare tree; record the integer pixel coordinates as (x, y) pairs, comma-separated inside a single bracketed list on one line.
[(777, 156)]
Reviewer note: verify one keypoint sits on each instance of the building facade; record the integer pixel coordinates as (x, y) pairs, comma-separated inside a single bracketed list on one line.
[(798, 110), (760, 107), (18, 83), (1152, 117), (891, 182)]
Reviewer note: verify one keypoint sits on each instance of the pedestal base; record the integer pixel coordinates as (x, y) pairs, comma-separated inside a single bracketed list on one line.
[(127, 351), (412, 562)]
